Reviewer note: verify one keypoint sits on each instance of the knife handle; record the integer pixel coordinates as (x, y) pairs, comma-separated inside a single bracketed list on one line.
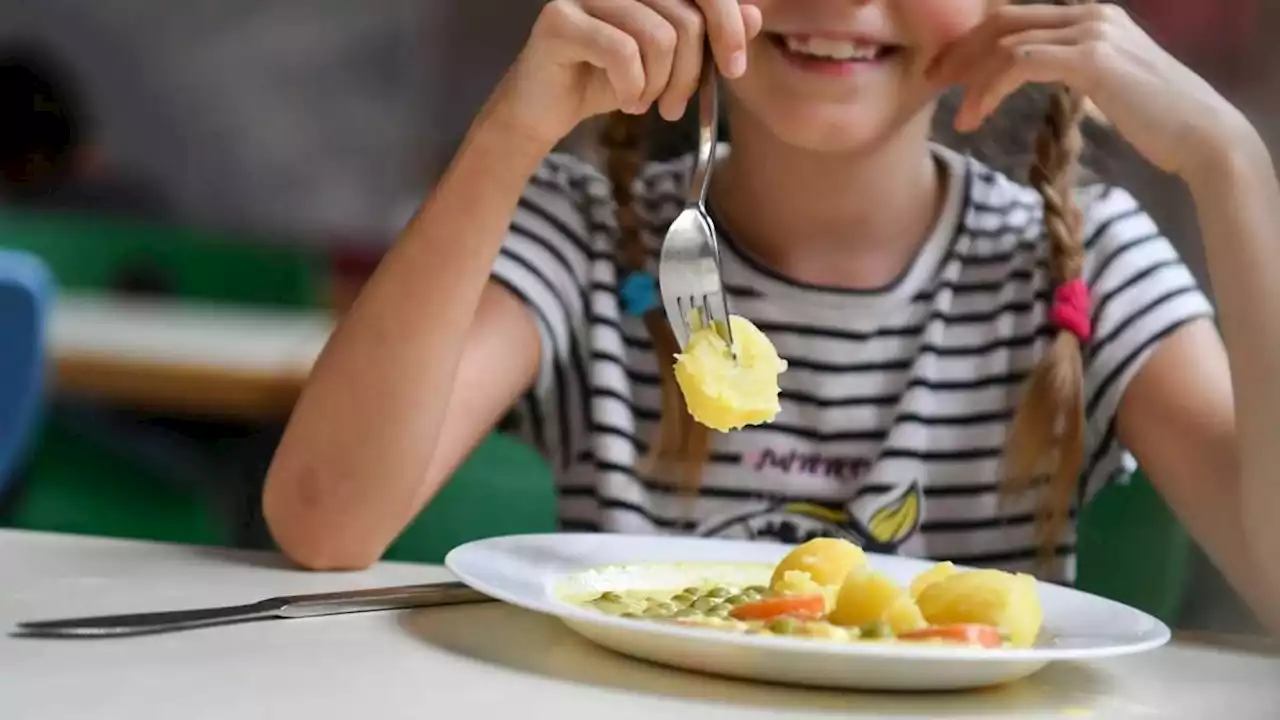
[(148, 623), (390, 598), (292, 606)]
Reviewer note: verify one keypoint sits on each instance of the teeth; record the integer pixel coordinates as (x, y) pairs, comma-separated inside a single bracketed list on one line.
[(831, 49)]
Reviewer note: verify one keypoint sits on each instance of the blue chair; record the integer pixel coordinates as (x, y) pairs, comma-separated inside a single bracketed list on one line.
[(26, 293)]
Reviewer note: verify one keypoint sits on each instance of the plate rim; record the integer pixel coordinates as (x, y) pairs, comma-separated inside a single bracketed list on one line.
[(563, 611)]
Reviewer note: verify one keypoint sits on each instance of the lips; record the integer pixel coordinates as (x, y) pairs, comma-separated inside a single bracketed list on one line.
[(821, 48), (833, 57)]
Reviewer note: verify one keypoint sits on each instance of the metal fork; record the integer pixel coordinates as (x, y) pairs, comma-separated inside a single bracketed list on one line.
[(689, 265)]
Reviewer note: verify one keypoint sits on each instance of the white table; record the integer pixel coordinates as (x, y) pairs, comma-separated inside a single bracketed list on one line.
[(206, 358), (479, 661)]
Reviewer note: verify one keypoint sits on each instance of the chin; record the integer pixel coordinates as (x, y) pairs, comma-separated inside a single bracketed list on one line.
[(826, 128)]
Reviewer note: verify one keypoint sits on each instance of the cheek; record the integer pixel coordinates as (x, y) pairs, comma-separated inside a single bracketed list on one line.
[(937, 23)]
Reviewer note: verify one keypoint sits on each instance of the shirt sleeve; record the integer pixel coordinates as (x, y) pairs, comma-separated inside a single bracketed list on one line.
[(545, 261), (1142, 292)]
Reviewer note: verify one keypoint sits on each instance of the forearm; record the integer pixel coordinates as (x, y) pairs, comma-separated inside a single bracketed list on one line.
[(1238, 201), (357, 449)]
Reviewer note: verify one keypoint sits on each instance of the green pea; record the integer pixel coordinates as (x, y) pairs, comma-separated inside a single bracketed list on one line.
[(684, 599), (704, 603), (655, 612), (610, 597), (784, 626), (877, 630), (737, 599), (691, 591), (719, 592), (756, 589), (721, 611)]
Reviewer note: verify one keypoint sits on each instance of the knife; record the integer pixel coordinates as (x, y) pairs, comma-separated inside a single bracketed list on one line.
[(290, 606)]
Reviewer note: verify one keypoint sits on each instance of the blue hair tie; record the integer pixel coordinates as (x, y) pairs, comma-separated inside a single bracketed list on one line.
[(638, 292)]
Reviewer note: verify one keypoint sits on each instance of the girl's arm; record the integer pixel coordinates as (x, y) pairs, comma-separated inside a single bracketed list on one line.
[(1238, 199), (358, 457), (429, 336), (1204, 422), (1207, 428)]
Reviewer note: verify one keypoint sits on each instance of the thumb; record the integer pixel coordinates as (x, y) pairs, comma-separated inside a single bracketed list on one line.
[(752, 20)]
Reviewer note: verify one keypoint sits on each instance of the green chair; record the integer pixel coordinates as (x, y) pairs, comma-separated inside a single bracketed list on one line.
[(1134, 550), (504, 488), (75, 485), (80, 480)]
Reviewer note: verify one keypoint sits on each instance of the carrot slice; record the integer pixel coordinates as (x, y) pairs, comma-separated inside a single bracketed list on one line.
[(780, 606), (968, 634)]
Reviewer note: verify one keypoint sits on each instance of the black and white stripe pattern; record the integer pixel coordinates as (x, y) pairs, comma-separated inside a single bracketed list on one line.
[(916, 382)]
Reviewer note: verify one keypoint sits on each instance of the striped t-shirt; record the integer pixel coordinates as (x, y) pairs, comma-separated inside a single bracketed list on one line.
[(896, 401)]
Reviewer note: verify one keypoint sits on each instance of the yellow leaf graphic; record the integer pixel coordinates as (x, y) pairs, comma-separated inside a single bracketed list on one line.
[(817, 512), (894, 522)]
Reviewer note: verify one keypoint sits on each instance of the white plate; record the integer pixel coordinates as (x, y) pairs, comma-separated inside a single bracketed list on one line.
[(534, 571)]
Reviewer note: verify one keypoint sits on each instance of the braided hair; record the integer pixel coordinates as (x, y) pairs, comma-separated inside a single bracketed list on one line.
[(681, 445), (1047, 435)]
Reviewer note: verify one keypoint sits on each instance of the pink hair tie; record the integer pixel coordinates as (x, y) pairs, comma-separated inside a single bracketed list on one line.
[(1070, 310)]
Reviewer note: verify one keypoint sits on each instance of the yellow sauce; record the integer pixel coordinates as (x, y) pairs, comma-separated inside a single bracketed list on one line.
[(857, 603)]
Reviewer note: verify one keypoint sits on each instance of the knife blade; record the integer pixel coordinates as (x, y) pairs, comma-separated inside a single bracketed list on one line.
[(284, 607)]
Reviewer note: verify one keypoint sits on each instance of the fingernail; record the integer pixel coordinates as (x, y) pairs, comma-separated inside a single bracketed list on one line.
[(737, 64)]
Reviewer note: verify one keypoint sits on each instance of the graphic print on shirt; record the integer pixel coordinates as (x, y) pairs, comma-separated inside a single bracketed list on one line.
[(877, 521)]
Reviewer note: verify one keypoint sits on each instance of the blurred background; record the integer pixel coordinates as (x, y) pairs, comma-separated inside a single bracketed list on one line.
[(206, 184)]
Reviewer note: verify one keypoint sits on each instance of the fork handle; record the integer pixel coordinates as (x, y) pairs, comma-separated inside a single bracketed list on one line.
[(708, 122)]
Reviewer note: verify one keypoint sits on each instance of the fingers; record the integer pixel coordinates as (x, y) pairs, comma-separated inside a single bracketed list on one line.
[(686, 68), (1052, 61), (958, 60), (752, 20), (727, 32), (652, 50), (581, 37), (656, 37)]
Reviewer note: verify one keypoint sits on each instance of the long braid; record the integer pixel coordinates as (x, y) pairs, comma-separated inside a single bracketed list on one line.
[(681, 446), (1047, 434)]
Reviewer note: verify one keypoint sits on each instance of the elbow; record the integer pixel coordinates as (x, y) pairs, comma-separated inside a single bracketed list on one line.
[(310, 537), (320, 555)]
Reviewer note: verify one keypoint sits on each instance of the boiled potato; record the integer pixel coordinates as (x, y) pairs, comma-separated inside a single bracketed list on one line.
[(867, 597), (725, 393), (827, 561), (931, 576), (1007, 601)]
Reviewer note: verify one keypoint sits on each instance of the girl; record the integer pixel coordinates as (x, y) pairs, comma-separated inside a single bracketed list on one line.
[(951, 333)]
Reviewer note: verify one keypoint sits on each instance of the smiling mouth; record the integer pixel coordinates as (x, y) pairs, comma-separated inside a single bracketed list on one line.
[(832, 50)]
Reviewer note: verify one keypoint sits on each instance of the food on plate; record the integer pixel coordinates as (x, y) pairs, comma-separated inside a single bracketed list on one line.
[(867, 597), (827, 561), (825, 589), (989, 597), (968, 634), (723, 393), (931, 576)]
